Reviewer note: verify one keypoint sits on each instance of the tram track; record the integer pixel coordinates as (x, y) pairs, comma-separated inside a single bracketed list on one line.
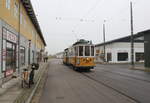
[(110, 87)]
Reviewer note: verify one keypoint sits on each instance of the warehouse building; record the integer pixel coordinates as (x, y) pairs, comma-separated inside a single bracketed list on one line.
[(119, 50), (146, 34), (21, 39)]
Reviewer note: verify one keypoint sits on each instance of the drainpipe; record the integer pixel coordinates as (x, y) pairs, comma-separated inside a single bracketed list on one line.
[(19, 37)]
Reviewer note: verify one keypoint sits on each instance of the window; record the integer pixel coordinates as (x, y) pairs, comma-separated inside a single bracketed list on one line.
[(80, 50), (122, 56), (16, 9), (109, 57), (24, 22), (97, 51), (139, 57), (10, 55), (87, 51), (8, 4), (33, 56), (22, 56), (76, 51), (21, 18), (92, 50)]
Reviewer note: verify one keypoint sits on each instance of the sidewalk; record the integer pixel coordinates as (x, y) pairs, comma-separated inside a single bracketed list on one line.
[(11, 92), (140, 67)]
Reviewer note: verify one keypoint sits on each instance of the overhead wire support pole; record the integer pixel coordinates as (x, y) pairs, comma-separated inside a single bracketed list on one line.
[(104, 39), (132, 37)]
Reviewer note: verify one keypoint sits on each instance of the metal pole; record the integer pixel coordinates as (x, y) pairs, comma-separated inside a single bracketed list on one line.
[(104, 39), (132, 37)]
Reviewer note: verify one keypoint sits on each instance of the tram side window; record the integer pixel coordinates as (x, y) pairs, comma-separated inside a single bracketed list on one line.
[(92, 50), (87, 51), (76, 51), (80, 50)]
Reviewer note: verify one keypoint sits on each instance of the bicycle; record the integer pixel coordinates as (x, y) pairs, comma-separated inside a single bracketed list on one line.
[(25, 78)]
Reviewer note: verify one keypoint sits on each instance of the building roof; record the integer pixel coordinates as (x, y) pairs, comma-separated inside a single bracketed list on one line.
[(30, 11), (127, 38), (144, 32)]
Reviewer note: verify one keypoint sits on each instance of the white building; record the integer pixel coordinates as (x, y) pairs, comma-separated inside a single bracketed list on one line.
[(119, 50), (59, 55)]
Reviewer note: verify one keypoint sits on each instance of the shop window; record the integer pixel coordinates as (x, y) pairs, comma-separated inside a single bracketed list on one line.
[(87, 51), (22, 56), (33, 56), (139, 57), (122, 56), (92, 50), (80, 50), (10, 56)]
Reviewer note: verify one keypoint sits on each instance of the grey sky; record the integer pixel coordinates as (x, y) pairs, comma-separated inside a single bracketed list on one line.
[(61, 33)]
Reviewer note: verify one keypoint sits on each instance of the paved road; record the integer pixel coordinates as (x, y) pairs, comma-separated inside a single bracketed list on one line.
[(135, 84), (64, 85)]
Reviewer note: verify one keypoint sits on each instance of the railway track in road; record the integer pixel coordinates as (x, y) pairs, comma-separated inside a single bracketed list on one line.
[(110, 87), (120, 74)]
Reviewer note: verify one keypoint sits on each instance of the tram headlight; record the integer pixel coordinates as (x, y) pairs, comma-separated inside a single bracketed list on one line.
[(78, 61)]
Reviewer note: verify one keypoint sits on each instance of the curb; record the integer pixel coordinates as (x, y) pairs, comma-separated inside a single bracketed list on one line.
[(34, 90)]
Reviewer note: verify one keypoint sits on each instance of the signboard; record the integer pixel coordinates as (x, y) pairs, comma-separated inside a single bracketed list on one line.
[(11, 37)]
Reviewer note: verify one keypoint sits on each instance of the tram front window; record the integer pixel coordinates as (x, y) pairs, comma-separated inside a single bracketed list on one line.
[(87, 51), (80, 50)]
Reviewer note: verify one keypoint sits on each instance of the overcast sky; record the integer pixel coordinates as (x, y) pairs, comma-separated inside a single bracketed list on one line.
[(64, 21)]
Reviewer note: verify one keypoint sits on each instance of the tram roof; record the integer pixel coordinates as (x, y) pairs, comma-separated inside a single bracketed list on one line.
[(82, 41)]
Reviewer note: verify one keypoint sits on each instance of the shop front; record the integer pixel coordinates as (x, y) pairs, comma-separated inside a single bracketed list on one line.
[(9, 52)]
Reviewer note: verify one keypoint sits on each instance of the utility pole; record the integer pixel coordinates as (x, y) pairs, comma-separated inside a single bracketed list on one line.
[(132, 37), (104, 40)]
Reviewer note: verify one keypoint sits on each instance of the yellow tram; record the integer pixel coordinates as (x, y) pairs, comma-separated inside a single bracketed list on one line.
[(80, 55)]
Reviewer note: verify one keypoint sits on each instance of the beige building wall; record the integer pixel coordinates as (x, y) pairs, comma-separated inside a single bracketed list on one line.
[(10, 14)]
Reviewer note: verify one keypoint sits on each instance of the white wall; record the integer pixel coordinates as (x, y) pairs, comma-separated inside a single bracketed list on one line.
[(117, 47)]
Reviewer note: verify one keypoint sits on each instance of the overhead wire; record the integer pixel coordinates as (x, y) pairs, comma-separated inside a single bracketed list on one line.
[(89, 11)]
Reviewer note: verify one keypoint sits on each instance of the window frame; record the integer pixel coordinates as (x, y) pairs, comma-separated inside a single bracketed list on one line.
[(14, 51), (82, 51), (89, 50)]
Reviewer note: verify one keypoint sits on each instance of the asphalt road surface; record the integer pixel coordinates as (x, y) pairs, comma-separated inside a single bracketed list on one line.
[(104, 84)]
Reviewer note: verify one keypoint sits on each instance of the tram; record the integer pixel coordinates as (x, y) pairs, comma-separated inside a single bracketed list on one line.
[(80, 55)]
